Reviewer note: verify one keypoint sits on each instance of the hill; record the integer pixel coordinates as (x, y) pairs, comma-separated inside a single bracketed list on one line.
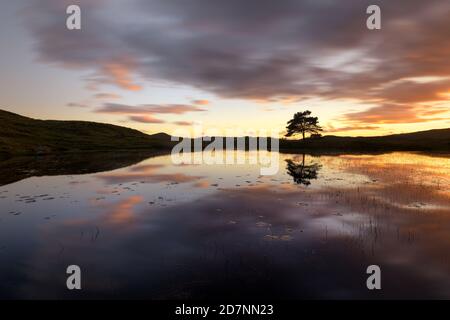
[(20, 135), (430, 140), (25, 136)]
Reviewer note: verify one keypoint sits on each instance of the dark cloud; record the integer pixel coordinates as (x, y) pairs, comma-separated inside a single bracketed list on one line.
[(388, 114), (183, 123), (106, 96), (256, 49), (350, 128), (145, 119), (146, 113), (77, 105), (200, 102), (410, 91), (148, 109)]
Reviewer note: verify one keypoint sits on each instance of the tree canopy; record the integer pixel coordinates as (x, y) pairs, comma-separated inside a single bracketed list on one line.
[(303, 123)]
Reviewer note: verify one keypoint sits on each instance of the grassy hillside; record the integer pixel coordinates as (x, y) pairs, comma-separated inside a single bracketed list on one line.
[(25, 136), (431, 140)]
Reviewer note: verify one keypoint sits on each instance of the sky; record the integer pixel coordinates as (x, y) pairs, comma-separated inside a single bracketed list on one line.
[(162, 65)]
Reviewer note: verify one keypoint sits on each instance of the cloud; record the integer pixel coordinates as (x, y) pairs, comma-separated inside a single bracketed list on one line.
[(146, 113), (106, 96), (331, 129), (256, 49), (77, 105), (201, 102), (183, 123), (391, 113), (148, 109), (145, 119), (408, 91), (120, 74)]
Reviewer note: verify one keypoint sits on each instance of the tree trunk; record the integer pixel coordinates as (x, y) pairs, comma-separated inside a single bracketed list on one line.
[(303, 133)]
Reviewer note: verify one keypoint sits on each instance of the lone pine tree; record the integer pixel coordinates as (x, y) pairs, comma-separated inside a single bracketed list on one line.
[(303, 123)]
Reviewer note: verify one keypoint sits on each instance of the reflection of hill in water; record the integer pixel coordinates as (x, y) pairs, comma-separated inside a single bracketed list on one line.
[(301, 172), (16, 169)]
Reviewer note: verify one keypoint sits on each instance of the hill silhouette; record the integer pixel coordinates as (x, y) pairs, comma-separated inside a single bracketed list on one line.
[(21, 135), (430, 140)]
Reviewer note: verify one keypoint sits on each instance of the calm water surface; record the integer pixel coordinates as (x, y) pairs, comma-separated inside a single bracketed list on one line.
[(154, 230)]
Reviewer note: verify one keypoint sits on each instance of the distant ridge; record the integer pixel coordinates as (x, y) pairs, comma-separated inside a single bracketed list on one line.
[(430, 140), (21, 135)]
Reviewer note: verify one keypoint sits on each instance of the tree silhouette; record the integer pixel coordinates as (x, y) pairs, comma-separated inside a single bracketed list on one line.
[(301, 173), (303, 123)]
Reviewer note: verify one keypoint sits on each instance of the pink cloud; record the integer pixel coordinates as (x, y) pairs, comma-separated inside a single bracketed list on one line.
[(121, 75), (200, 102), (145, 119), (115, 108), (183, 123)]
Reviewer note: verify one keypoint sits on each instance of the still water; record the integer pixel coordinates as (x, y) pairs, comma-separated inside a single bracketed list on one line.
[(155, 230)]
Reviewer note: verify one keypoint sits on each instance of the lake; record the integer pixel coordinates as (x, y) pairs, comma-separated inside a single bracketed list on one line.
[(149, 229)]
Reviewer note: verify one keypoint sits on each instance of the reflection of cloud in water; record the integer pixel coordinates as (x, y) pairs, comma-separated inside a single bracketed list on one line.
[(118, 213), (271, 243), (203, 184), (147, 168), (146, 174), (268, 236), (147, 177), (123, 211)]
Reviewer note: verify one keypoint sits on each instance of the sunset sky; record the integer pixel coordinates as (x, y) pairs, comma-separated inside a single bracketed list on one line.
[(158, 65)]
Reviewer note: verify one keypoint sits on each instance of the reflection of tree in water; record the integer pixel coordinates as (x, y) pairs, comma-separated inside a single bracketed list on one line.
[(301, 173)]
